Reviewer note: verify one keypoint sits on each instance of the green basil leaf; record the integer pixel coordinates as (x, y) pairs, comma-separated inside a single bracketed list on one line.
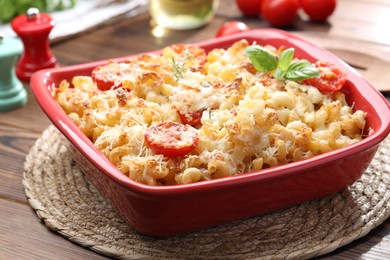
[(279, 74), (301, 70), (261, 59), (286, 58)]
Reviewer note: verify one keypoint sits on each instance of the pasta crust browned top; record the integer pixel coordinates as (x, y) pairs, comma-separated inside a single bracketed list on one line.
[(244, 120)]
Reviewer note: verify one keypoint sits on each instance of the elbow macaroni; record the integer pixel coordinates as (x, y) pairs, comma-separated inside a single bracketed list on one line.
[(250, 120)]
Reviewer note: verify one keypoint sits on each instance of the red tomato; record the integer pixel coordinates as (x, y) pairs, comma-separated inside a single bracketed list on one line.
[(249, 7), (171, 139), (331, 78), (318, 10), (231, 27), (107, 76), (280, 13), (191, 118)]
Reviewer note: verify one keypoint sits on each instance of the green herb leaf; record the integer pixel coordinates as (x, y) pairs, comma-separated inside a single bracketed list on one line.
[(283, 68), (301, 70), (279, 74), (286, 58), (261, 59), (179, 70)]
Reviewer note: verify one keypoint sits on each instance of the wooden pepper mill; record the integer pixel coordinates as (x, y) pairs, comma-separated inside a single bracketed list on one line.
[(12, 93), (34, 28)]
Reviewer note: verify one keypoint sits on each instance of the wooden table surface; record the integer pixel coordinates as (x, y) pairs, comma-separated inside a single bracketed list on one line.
[(357, 26)]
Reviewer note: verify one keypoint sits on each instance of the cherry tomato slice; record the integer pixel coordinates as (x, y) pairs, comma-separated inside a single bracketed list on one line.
[(171, 139), (331, 78), (107, 76), (231, 27), (191, 118)]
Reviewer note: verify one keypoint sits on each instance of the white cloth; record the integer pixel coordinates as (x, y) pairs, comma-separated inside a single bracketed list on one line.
[(85, 15)]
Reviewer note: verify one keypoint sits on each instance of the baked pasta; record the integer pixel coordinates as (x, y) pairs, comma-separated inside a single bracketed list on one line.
[(185, 116)]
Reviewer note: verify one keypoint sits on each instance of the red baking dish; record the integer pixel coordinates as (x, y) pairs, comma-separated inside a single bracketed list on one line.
[(170, 210)]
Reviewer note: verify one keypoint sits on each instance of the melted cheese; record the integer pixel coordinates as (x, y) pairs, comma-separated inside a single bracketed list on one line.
[(249, 119)]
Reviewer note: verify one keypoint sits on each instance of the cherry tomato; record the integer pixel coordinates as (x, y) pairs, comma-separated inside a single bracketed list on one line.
[(107, 76), (318, 10), (280, 13), (231, 27), (249, 8), (171, 139), (191, 118), (331, 78)]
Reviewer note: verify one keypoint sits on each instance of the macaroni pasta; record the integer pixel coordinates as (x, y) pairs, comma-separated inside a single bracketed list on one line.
[(248, 120)]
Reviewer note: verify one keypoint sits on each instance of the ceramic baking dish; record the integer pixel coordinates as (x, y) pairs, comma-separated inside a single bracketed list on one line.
[(170, 210)]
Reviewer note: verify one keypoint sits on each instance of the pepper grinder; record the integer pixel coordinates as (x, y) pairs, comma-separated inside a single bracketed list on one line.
[(12, 93), (34, 28)]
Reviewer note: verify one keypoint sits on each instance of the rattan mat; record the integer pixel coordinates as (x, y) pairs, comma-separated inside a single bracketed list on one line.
[(68, 204)]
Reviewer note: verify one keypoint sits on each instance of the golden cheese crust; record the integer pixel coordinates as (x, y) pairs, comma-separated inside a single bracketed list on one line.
[(249, 120)]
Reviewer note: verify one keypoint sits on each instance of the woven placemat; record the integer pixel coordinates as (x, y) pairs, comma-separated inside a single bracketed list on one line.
[(68, 204)]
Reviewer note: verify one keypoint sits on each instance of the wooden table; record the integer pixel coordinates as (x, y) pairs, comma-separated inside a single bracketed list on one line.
[(357, 25)]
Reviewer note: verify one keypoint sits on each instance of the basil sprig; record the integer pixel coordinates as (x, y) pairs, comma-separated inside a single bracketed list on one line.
[(283, 68)]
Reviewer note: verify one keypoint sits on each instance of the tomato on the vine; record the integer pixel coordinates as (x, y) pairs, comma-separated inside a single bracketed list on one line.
[(331, 78), (318, 10), (249, 8), (280, 13), (231, 27), (171, 139)]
